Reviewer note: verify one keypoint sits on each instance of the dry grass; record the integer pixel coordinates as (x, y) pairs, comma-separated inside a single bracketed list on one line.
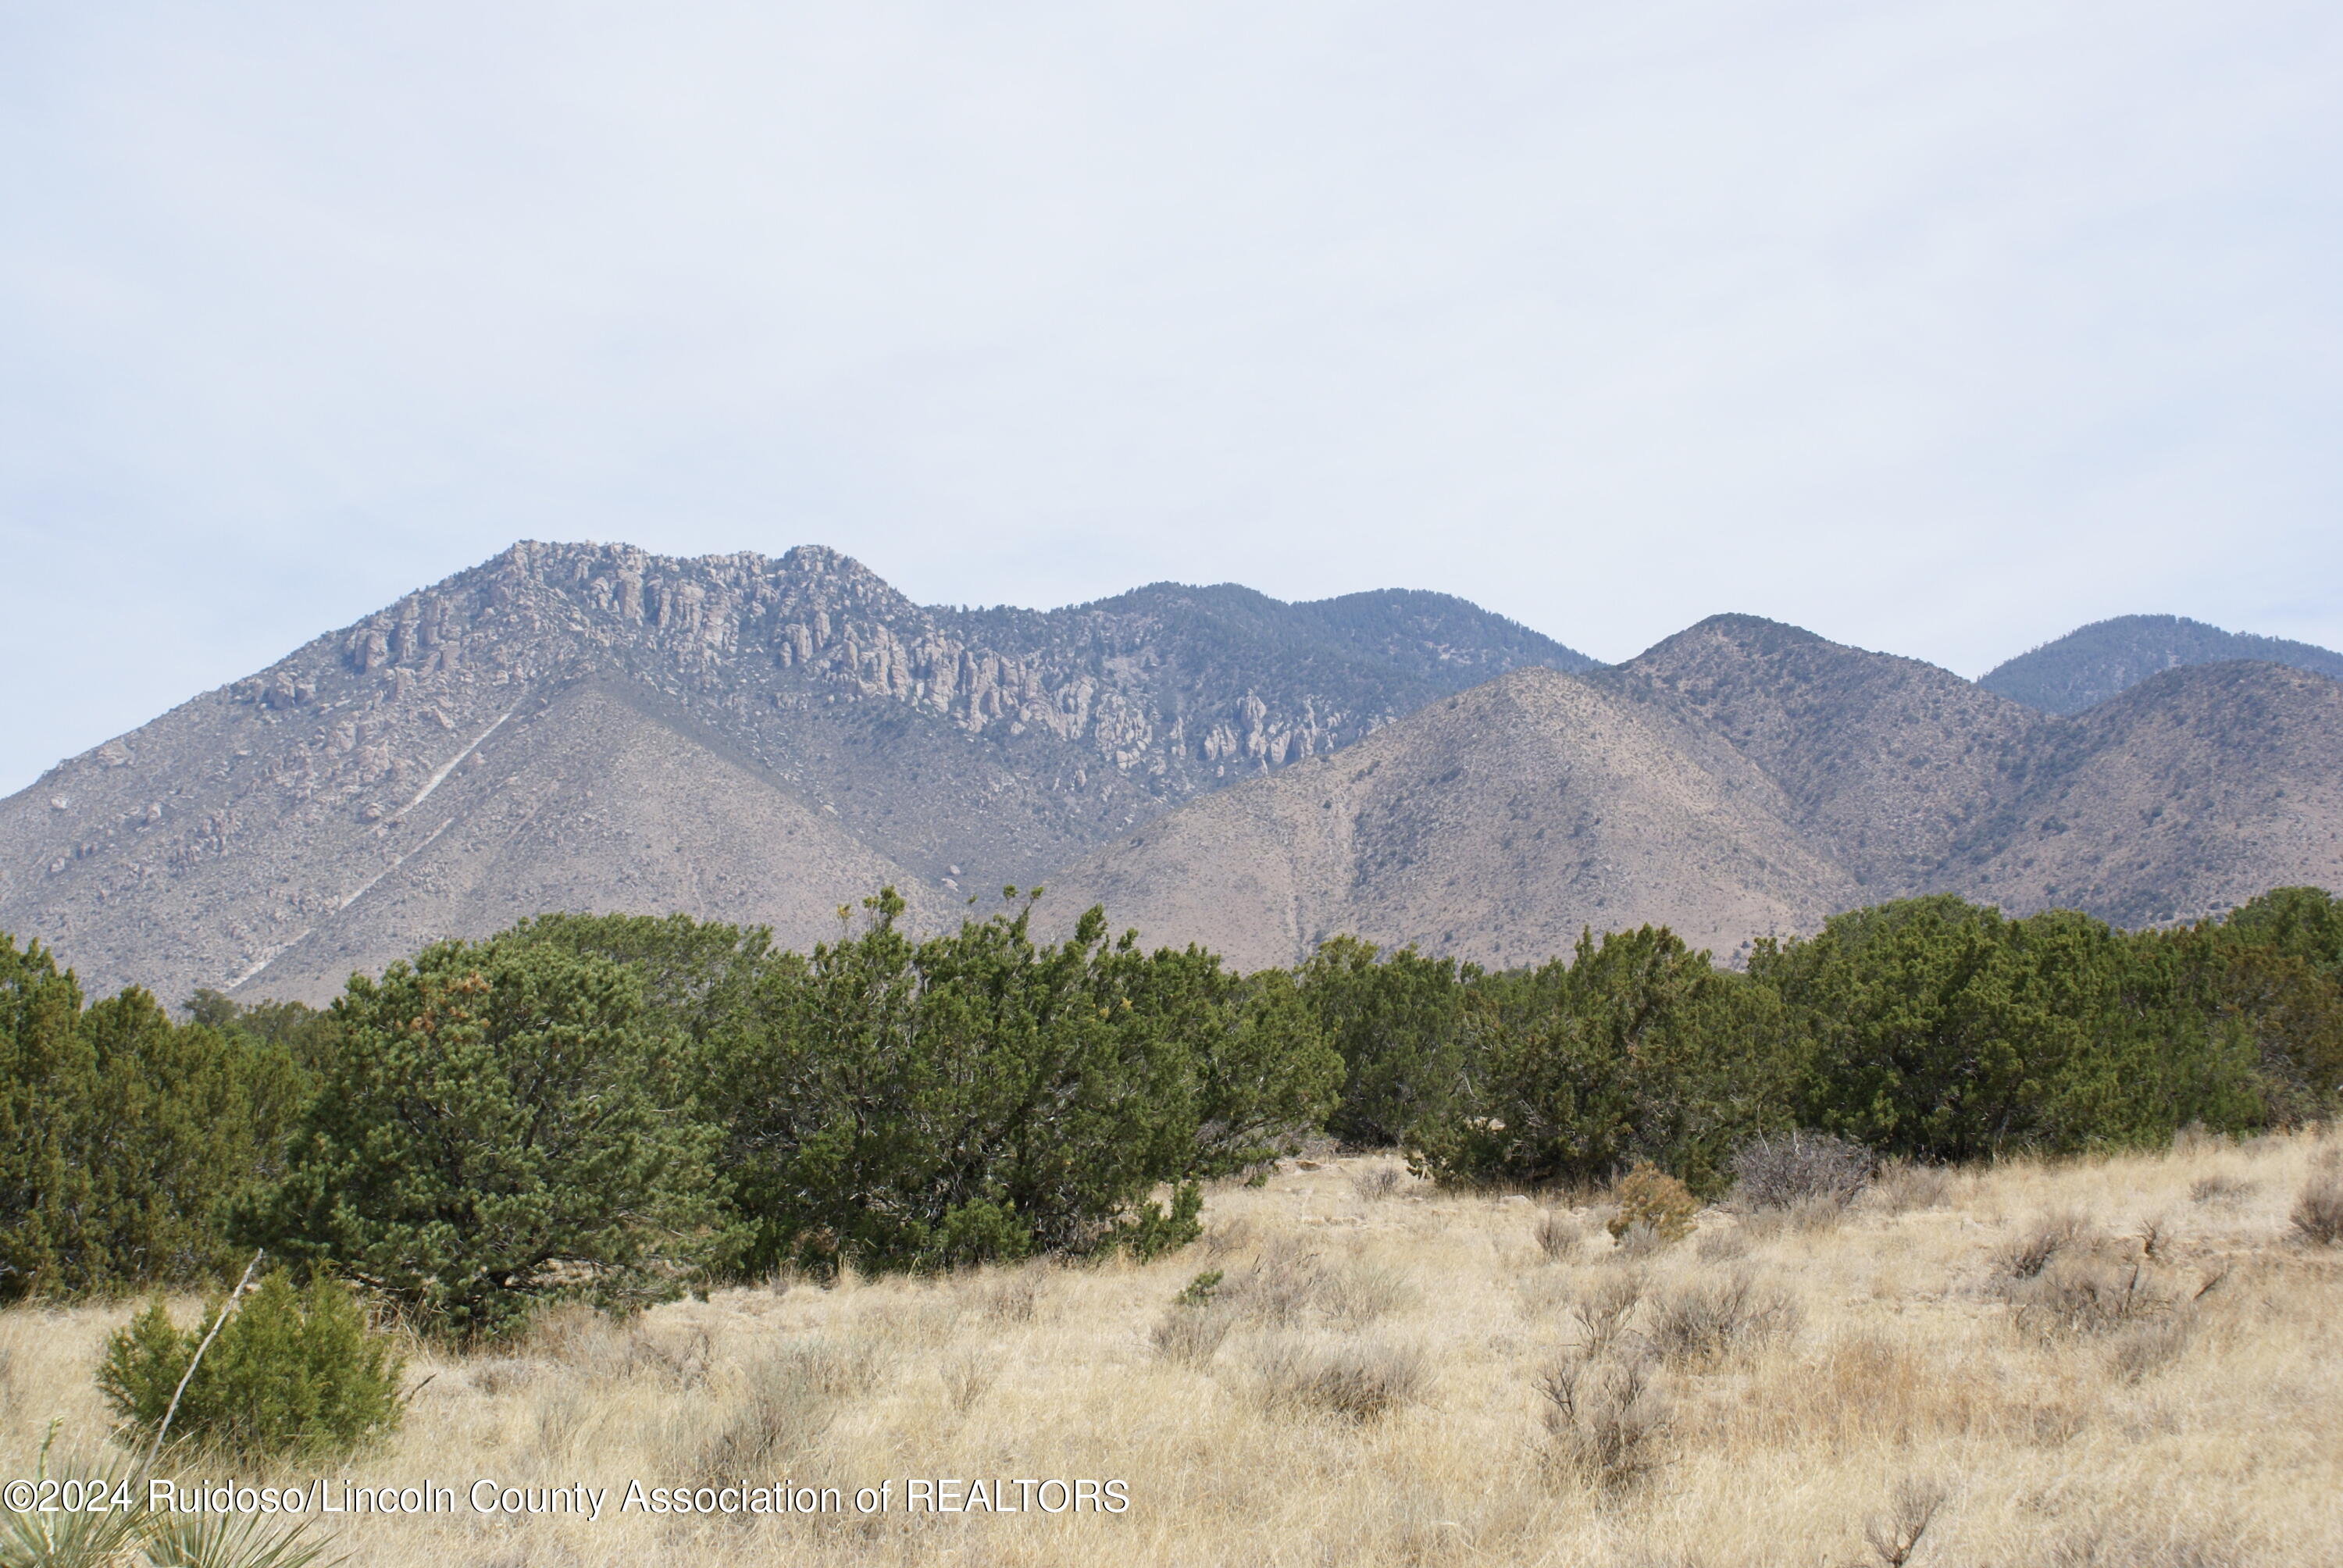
[(2110, 1362)]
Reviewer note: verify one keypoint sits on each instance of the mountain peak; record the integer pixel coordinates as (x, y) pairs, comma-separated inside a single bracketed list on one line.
[(2093, 663)]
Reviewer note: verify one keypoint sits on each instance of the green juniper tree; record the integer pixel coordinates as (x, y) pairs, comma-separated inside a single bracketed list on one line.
[(980, 1095), (488, 1135)]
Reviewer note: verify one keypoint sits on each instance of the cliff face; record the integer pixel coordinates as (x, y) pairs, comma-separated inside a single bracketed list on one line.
[(255, 831), (593, 727)]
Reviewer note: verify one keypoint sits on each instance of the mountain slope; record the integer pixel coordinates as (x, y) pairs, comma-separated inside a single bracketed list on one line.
[(2188, 794), (2092, 664), (1494, 825), (942, 746), (1884, 761)]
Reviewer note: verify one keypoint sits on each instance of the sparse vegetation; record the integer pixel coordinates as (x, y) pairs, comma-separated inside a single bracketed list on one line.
[(1269, 1421), (2318, 1212)]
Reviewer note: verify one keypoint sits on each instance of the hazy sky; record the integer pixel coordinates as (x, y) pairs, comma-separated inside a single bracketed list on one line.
[(1936, 327)]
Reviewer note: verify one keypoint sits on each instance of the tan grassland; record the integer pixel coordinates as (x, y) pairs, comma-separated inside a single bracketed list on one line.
[(1370, 1385)]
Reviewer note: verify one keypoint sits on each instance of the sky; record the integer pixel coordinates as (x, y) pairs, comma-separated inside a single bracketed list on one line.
[(1940, 328)]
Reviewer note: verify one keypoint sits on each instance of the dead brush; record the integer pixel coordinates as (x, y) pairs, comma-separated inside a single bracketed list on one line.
[(1223, 1238), (2084, 1296), (2147, 1347), (1558, 1236), (968, 1377), (2319, 1210), (1377, 1182), (2221, 1190), (1798, 1170), (1606, 1309), (1608, 1420), (1895, 1535), (1284, 1283), (1014, 1296), (1900, 1187), (1190, 1336), (1352, 1381), (2026, 1255), (1704, 1320)]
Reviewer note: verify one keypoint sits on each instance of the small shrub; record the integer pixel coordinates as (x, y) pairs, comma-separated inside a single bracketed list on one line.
[(1280, 1288), (1014, 1297), (1902, 1186), (1558, 1236), (1603, 1311), (291, 1374), (1650, 1196), (1357, 1295), (1201, 1290), (2028, 1255), (1724, 1246), (2086, 1295), (1190, 1336), (2220, 1189), (1607, 1420), (1355, 1381), (1639, 1241), (1894, 1537), (967, 1378), (1793, 1169), (2144, 1347), (2319, 1212), (1376, 1183), (779, 1408), (1706, 1320)]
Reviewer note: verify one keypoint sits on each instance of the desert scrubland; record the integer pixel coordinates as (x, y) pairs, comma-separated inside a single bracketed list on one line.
[(2118, 1361)]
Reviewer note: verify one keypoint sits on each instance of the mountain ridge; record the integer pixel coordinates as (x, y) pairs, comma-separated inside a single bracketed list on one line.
[(763, 738)]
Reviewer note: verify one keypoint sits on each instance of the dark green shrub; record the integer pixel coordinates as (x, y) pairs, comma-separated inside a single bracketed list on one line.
[(1398, 1020), (292, 1373), (978, 1096), (124, 1134), (487, 1137), (1637, 1049), (1941, 1031)]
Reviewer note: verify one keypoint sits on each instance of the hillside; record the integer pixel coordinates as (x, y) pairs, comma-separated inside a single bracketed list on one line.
[(1744, 778), (590, 726), (2088, 666), (594, 727), (2188, 793), (1495, 824)]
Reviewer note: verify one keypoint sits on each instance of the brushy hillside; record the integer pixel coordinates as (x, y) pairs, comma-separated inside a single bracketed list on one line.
[(2112, 1361)]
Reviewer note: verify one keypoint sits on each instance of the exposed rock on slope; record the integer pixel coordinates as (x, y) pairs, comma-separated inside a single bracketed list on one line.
[(592, 727), (233, 834), (2088, 666)]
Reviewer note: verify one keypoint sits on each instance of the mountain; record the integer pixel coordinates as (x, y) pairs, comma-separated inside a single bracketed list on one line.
[(1744, 778), (2088, 666), (2188, 794), (1493, 824), (1882, 759), (592, 726)]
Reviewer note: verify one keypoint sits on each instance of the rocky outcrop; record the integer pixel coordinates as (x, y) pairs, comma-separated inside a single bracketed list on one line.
[(205, 847)]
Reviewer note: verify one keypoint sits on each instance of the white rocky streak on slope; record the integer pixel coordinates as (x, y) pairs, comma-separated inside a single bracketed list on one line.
[(453, 763)]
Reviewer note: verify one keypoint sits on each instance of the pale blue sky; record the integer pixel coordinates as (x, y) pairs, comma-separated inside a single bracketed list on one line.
[(1936, 327)]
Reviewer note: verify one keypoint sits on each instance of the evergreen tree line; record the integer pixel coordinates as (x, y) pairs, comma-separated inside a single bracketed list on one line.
[(623, 1107)]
